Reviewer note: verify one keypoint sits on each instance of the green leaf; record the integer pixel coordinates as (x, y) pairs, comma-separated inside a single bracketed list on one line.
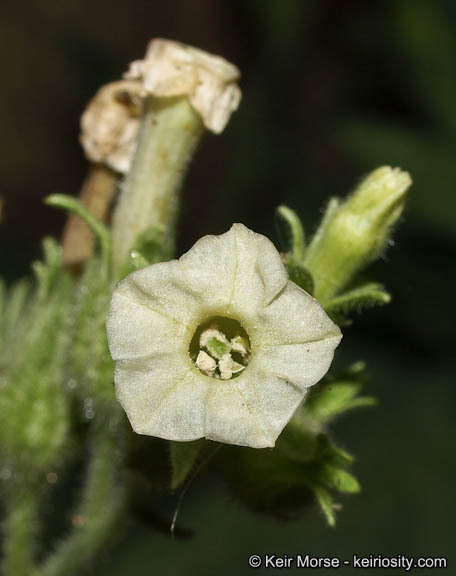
[(332, 398), (334, 455), (339, 479), (300, 275), (295, 231), (355, 372), (325, 500), (18, 297), (75, 206), (12, 305), (48, 272), (33, 402), (184, 456), (362, 402), (364, 296)]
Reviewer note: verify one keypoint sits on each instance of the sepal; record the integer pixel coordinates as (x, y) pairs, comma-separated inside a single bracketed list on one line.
[(299, 274), (295, 234), (282, 481), (364, 296), (335, 395), (184, 457)]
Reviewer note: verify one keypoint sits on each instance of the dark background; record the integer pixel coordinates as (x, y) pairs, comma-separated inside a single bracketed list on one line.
[(332, 89)]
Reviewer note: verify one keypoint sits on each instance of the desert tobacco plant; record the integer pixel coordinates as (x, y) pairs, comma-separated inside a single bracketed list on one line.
[(219, 359)]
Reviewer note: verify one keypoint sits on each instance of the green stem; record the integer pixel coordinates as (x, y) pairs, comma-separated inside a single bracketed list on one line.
[(170, 133), (103, 501), (20, 528)]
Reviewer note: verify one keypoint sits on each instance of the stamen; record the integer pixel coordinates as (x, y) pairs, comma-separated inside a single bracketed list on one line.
[(228, 367), (220, 348), (206, 363)]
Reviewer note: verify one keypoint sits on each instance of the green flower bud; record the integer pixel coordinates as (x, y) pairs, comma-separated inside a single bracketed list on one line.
[(354, 233)]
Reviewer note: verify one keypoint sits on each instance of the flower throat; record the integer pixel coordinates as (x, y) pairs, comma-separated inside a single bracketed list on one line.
[(220, 348)]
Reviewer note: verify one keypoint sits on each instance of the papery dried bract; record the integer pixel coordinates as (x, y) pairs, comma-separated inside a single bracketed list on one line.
[(110, 125), (173, 69)]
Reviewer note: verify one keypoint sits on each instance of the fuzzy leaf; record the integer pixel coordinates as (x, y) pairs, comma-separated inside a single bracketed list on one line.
[(17, 300), (12, 304), (75, 206), (33, 403), (48, 271)]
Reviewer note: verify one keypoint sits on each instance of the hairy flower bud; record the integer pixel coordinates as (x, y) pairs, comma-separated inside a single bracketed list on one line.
[(355, 232)]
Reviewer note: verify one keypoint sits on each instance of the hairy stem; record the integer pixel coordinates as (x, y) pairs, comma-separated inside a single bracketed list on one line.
[(169, 136), (103, 501), (20, 529)]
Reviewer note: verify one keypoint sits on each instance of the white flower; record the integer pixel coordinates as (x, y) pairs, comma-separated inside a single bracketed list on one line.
[(218, 344)]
